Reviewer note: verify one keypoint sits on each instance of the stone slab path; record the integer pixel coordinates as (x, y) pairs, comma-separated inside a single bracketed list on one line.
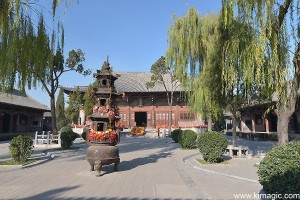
[(150, 168)]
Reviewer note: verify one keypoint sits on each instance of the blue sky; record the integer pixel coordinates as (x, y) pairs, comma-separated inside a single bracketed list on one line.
[(133, 33)]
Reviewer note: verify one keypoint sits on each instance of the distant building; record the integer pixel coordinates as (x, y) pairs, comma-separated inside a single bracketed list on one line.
[(146, 107), (19, 113)]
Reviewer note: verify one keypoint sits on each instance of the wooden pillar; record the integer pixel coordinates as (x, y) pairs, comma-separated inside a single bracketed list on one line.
[(28, 122), (128, 109), (267, 125), (242, 125), (253, 122), (10, 130), (153, 113)]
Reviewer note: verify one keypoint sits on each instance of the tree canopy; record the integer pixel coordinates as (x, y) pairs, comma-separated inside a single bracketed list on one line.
[(193, 41), (271, 57), (25, 46)]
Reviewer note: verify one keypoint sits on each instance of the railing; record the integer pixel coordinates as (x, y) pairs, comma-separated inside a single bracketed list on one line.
[(46, 137)]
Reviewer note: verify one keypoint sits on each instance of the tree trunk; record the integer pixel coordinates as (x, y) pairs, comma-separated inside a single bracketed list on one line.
[(234, 137), (284, 112), (282, 127), (53, 114), (170, 101), (209, 123), (170, 119)]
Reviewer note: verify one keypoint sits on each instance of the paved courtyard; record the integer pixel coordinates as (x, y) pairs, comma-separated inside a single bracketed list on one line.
[(150, 168)]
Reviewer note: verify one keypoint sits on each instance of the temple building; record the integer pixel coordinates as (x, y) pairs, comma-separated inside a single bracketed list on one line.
[(19, 113), (142, 106)]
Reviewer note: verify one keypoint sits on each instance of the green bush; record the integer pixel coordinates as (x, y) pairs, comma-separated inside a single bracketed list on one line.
[(83, 135), (212, 146), (67, 137), (175, 135), (187, 139), (21, 148), (279, 171)]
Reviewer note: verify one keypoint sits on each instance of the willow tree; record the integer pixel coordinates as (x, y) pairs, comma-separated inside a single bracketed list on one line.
[(163, 74), (271, 60), (24, 45), (29, 54), (205, 95), (192, 41)]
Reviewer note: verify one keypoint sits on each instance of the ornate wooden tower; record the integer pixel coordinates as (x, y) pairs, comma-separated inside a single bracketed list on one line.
[(105, 112), (103, 136)]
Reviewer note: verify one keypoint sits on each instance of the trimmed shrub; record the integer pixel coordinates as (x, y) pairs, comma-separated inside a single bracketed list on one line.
[(67, 137), (175, 135), (212, 146), (83, 135), (279, 171), (21, 148), (188, 139)]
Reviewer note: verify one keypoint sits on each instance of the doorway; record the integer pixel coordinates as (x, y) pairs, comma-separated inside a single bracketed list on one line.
[(140, 118)]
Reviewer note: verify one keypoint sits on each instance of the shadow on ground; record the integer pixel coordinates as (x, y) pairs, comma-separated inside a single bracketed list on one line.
[(52, 194)]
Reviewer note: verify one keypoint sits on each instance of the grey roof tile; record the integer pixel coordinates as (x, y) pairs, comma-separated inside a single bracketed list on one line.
[(20, 99), (134, 82)]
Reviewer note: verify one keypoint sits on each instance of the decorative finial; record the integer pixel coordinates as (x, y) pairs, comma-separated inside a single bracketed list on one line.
[(107, 59)]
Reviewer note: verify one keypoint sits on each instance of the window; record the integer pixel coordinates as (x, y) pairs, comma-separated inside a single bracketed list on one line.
[(186, 116), (22, 119), (35, 123), (104, 82), (102, 102), (101, 126)]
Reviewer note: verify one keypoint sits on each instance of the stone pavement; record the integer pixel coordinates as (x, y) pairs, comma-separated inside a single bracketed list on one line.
[(150, 168)]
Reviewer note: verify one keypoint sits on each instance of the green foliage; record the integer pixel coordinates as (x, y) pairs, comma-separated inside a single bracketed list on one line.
[(193, 44), (74, 106), (279, 171), (67, 137), (20, 148), (262, 37), (188, 139), (176, 134), (212, 146), (60, 110), (89, 100), (25, 51), (30, 54)]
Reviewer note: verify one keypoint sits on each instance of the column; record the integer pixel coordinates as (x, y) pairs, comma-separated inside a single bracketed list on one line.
[(10, 130), (153, 113), (267, 125), (128, 109), (253, 123)]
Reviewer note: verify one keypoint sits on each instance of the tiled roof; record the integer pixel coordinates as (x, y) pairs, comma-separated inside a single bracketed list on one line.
[(133, 82), (20, 99), (136, 82)]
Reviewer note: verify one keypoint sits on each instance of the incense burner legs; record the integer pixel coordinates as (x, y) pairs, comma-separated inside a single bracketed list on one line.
[(99, 155)]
